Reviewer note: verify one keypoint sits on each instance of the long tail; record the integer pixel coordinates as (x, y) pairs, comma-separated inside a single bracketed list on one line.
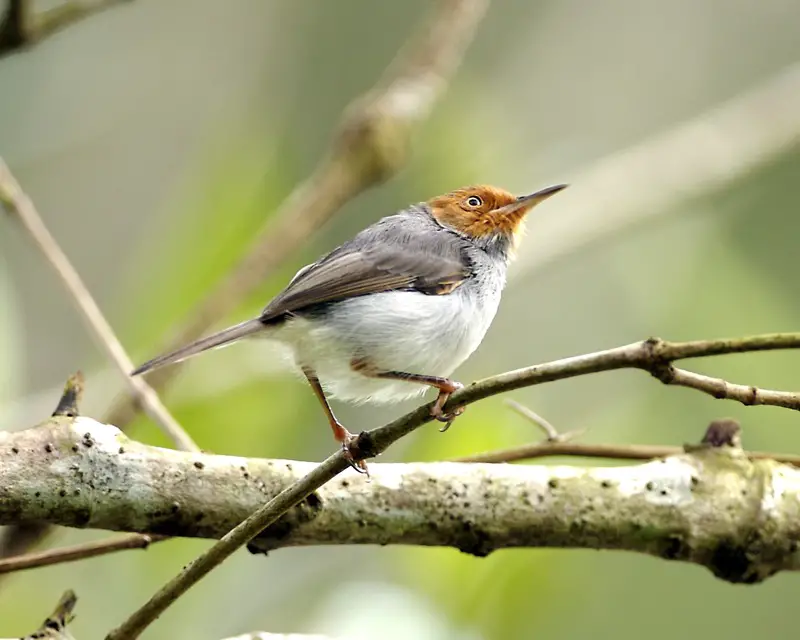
[(224, 337)]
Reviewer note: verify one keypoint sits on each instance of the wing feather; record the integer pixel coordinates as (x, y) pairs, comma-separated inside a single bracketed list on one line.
[(351, 273)]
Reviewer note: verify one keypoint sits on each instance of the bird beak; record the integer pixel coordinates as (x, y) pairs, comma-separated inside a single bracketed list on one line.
[(523, 204)]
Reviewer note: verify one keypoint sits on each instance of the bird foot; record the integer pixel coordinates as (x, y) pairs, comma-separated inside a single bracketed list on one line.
[(348, 440), (437, 410)]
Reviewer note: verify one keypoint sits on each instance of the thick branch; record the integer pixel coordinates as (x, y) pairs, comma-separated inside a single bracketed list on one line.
[(713, 507)]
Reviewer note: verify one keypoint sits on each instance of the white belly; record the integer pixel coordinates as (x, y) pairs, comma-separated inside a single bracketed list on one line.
[(401, 331)]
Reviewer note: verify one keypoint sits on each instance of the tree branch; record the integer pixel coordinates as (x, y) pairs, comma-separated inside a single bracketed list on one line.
[(562, 444), (537, 450), (20, 26), (77, 552), (711, 506), (653, 355), (549, 449), (19, 206)]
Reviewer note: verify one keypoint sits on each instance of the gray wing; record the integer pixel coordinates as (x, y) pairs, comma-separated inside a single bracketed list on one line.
[(394, 255)]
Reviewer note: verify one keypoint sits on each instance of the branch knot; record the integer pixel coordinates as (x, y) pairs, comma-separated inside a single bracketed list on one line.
[(373, 143)]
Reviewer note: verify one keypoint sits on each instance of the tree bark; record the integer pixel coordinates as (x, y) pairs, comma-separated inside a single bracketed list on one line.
[(712, 506)]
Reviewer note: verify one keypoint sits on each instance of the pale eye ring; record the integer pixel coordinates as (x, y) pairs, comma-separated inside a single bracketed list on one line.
[(474, 201)]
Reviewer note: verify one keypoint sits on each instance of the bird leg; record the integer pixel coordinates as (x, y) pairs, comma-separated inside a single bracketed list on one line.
[(341, 434), (445, 386)]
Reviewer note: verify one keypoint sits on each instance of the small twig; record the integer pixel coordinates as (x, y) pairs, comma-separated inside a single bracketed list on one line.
[(548, 448), (655, 356), (19, 206), (14, 25), (722, 389), (537, 450), (78, 552), (719, 432), (652, 355), (550, 431), (21, 26)]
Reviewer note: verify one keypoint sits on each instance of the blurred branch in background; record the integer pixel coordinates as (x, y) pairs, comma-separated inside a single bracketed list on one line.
[(697, 157), (21, 26), (551, 433), (20, 208), (372, 144), (562, 444), (77, 552)]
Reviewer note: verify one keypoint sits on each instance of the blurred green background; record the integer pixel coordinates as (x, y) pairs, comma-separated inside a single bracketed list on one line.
[(157, 137)]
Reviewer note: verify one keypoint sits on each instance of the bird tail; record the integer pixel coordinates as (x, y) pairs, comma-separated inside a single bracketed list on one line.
[(220, 339)]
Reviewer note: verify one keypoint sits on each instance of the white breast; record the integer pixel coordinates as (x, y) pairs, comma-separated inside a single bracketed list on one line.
[(402, 331)]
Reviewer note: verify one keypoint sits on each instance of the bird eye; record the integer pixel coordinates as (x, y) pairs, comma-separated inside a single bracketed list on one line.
[(474, 201)]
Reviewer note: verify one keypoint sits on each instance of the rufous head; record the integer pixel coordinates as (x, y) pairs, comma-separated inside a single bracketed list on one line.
[(486, 213)]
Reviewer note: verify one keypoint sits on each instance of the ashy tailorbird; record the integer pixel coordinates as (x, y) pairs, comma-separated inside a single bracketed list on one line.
[(397, 308)]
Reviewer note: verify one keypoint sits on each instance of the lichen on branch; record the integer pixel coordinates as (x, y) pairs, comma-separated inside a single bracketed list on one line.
[(712, 506)]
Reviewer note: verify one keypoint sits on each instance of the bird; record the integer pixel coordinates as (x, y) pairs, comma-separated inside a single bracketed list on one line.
[(397, 308)]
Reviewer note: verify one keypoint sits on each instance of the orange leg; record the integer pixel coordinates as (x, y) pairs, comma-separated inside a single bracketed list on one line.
[(341, 434), (445, 386)]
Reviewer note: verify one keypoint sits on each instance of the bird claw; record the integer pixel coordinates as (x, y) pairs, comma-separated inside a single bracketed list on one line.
[(449, 417), (437, 411), (360, 466)]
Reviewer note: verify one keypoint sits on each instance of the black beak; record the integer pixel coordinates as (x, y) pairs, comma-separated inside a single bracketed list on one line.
[(523, 203)]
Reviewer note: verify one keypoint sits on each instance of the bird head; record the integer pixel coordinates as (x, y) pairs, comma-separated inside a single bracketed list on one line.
[(490, 216)]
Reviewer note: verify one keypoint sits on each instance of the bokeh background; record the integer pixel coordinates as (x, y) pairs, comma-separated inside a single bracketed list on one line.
[(157, 137)]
